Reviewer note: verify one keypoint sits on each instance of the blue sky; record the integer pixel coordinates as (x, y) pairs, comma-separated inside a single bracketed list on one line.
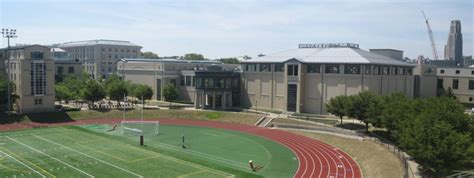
[(227, 28)]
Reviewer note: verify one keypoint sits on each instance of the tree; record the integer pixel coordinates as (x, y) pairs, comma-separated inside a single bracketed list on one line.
[(338, 106), (397, 108), (448, 93), (230, 60), (75, 84), (92, 91), (149, 55), (139, 90), (170, 93), (62, 92), (115, 88), (245, 57), (194, 56), (3, 93), (365, 107)]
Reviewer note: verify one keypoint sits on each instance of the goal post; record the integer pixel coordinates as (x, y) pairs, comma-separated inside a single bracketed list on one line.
[(139, 127)]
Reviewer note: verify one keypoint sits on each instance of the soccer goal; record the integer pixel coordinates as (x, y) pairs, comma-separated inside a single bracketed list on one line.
[(140, 127)]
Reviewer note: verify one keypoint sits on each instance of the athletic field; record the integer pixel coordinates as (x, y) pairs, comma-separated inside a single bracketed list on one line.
[(92, 151)]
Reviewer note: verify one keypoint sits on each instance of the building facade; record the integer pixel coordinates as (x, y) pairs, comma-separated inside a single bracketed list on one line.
[(100, 57), (304, 79), (32, 72), (64, 64), (157, 73), (453, 48), (459, 80)]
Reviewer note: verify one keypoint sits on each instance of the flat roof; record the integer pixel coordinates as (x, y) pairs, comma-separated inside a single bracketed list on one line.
[(97, 42)]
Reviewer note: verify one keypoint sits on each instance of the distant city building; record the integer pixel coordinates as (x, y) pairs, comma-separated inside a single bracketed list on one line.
[(304, 79), (32, 71), (210, 83), (100, 57), (453, 48), (64, 64)]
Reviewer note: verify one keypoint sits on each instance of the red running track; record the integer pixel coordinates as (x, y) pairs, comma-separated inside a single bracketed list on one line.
[(316, 159)]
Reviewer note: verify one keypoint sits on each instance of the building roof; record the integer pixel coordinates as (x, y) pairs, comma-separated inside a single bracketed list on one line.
[(23, 47), (345, 53), (97, 42), (168, 60)]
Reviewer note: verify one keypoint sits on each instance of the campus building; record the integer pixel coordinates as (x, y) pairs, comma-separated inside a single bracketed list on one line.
[(64, 64), (195, 80), (100, 57), (459, 80), (32, 72), (305, 78)]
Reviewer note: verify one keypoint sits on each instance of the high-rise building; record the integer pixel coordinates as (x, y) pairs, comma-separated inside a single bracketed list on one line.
[(453, 49), (100, 57)]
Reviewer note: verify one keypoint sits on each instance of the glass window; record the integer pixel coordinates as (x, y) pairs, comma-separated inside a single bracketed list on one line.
[(439, 83), (235, 82), (385, 70), (455, 84), (188, 80), (313, 68), (351, 69), (457, 71), (70, 70), (279, 67), (209, 82), (228, 82), (199, 83), (471, 84), (394, 71), (110, 49), (251, 67), (292, 70), (265, 67), (331, 69), (194, 81), (441, 71), (409, 71), (376, 70), (181, 81), (36, 55), (220, 83), (368, 70), (60, 69), (38, 78)]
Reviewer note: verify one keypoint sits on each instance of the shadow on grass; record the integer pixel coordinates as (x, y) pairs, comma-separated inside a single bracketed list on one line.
[(351, 126), (383, 134), (50, 117)]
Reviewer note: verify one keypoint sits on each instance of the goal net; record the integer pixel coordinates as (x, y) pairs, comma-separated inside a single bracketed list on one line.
[(139, 127)]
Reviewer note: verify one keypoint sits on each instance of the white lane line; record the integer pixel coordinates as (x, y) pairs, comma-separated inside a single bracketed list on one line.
[(87, 155), (50, 157), (23, 164)]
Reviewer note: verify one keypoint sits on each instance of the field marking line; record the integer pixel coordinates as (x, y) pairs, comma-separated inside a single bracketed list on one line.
[(192, 173), (17, 170), (98, 151), (77, 169), (161, 155), (21, 158), (87, 155), (141, 159), (23, 164)]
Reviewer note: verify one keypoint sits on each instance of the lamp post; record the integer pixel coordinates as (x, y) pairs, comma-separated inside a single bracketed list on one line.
[(8, 33)]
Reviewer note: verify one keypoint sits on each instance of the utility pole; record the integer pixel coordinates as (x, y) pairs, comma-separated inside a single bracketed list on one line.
[(8, 33)]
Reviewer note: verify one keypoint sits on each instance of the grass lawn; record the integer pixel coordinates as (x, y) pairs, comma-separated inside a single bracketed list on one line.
[(374, 159), (231, 117), (85, 151)]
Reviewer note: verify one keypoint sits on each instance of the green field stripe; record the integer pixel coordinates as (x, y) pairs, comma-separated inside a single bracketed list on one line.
[(163, 156), (75, 168), (88, 156)]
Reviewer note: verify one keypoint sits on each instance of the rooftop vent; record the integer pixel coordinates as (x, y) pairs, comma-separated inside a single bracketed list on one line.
[(329, 45)]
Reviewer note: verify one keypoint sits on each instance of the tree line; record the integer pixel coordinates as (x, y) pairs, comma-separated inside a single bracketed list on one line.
[(435, 131)]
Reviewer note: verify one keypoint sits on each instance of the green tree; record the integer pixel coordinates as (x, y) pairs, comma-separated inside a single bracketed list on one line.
[(170, 93), (193, 56), (397, 108), (230, 60), (75, 84), (449, 93), (365, 107), (139, 90), (149, 55), (4, 93), (338, 106), (62, 92), (92, 91)]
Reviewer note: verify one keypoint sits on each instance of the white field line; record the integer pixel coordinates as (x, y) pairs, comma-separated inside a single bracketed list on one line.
[(77, 169), (87, 155), (23, 164)]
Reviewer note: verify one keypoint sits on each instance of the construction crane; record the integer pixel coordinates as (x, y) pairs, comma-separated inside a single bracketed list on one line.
[(430, 34)]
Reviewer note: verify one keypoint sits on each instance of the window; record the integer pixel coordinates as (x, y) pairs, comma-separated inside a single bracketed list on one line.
[(385, 71), (38, 101), (279, 67), (472, 72), (409, 71), (110, 69), (228, 82), (128, 50), (402, 71), (181, 81), (103, 49), (194, 81), (351, 69), (265, 67), (110, 56), (251, 67), (368, 70), (116, 50), (455, 84), (331, 69), (394, 71), (70, 70), (209, 83), (116, 56), (439, 83), (457, 71), (471, 84), (220, 83), (60, 70), (38, 78), (235, 82), (313, 68), (377, 70), (441, 71), (188, 80), (110, 49), (36, 55), (470, 98), (292, 70)]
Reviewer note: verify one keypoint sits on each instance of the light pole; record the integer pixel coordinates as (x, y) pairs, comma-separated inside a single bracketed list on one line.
[(8, 33)]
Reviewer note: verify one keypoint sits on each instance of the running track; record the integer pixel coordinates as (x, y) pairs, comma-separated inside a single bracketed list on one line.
[(316, 159)]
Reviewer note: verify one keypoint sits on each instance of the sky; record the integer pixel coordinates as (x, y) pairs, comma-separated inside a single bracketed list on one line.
[(232, 28)]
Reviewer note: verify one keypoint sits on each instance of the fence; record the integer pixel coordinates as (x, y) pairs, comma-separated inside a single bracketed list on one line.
[(408, 172)]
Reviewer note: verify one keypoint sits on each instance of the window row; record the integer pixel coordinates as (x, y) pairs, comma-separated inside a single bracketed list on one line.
[(117, 50), (187, 80), (457, 72), (331, 69), (60, 70), (207, 82)]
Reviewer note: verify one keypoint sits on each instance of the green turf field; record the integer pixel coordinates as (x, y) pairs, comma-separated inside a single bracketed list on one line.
[(91, 151)]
